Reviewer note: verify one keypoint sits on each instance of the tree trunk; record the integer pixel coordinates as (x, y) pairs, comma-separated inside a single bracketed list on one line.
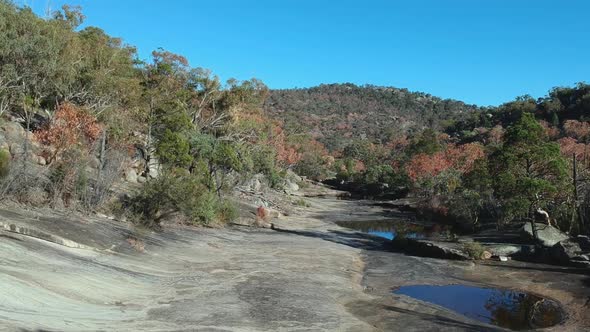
[(578, 215), (101, 162)]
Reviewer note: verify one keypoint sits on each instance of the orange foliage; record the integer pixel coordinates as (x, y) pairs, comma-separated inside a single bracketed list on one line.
[(398, 144), (570, 146), (576, 129), (359, 166), (287, 154), (262, 213), (69, 127), (460, 158), (550, 131), (423, 165)]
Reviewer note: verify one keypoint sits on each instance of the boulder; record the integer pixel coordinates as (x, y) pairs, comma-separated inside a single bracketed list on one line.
[(548, 235), (504, 249), (293, 176), (436, 249), (153, 168), (13, 131), (16, 150), (571, 249), (131, 175), (41, 161), (290, 187), (255, 183)]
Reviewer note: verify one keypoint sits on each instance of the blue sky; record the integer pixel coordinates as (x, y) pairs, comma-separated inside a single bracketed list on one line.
[(481, 51)]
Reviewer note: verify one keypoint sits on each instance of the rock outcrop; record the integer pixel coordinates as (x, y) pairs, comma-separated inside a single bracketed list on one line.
[(431, 248), (572, 251), (548, 235)]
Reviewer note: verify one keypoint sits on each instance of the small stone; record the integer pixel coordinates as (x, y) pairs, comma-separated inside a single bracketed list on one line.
[(504, 259), (141, 179), (41, 161)]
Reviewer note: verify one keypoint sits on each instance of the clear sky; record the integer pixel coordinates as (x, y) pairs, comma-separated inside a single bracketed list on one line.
[(481, 51)]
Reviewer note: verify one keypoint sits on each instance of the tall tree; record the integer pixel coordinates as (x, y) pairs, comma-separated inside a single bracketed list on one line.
[(528, 171)]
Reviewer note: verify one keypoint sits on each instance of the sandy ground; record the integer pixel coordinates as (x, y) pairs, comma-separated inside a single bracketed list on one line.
[(306, 275)]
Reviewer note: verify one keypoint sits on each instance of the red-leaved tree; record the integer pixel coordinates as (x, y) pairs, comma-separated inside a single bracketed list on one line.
[(460, 157), (70, 127)]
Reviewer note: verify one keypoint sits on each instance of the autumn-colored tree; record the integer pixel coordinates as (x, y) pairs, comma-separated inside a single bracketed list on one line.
[(460, 157), (577, 129), (551, 131), (569, 146), (69, 128), (424, 165)]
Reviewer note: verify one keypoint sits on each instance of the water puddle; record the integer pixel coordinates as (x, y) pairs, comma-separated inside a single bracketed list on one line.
[(505, 308), (391, 229)]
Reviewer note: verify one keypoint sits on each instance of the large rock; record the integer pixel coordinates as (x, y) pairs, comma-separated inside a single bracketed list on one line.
[(13, 131), (290, 187), (154, 169), (131, 175), (255, 183), (504, 249), (548, 235), (292, 175), (576, 248), (428, 248)]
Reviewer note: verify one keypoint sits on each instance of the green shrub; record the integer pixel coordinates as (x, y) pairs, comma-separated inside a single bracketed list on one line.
[(201, 209), (275, 179), (4, 163), (226, 211), (174, 149), (474, 249), (175, 192)]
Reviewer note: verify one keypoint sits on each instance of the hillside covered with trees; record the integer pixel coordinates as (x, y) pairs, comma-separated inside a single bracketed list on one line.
[(495, 164), (335, 114), (81, 111)]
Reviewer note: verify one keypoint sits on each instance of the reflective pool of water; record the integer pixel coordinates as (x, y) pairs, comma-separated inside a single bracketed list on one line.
[(391, 229), (505, 308)]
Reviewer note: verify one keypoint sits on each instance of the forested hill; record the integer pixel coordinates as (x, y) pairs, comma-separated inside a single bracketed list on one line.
[(337, 113)]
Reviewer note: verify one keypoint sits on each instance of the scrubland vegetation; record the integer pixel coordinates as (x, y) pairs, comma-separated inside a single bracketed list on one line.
[(81, 111), (467, 164), (91, 111)]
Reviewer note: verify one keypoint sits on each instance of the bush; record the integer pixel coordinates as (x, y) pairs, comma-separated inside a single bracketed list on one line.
[(226, 211), (177, 192), (474, 249), (201, 209), (311, 166)]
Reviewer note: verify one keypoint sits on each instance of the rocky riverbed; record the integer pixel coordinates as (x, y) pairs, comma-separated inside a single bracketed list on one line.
[(68, 273)]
